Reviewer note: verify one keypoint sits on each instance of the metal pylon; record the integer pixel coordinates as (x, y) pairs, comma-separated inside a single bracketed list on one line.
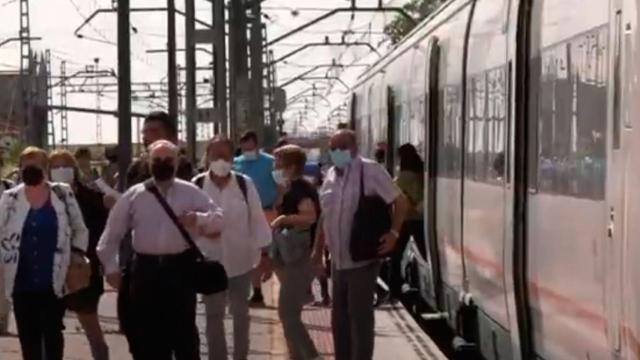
[(64, 121), (25, 65), (51, 127)]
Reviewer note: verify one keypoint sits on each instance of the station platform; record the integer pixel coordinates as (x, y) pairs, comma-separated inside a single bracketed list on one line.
[(397, 334)]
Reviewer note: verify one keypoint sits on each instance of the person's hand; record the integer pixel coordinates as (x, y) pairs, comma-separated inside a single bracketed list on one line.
[(265, 268), (114, 280), (211, 236), (109, 201), (387, 243), (278, 222), (188, 219)]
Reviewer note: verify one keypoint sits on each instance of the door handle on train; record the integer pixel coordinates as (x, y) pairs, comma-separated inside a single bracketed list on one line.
[(611, 227)]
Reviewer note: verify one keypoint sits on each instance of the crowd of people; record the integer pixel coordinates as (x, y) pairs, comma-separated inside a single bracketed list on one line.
[(255, 214)]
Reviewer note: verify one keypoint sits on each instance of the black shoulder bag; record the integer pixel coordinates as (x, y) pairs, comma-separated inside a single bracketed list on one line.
[(209, 277), (371, 221)]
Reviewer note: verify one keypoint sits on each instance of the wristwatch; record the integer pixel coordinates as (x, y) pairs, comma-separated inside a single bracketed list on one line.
[(394, 233)]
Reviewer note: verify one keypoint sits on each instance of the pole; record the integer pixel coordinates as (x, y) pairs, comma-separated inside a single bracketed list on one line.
[(124, 92), (238, 66), (190, 62), (220, 64), (257, 75), (171, 60)]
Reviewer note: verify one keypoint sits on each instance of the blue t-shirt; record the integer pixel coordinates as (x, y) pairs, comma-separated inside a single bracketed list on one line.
[(313, 173), (260, 171), (37, 249)]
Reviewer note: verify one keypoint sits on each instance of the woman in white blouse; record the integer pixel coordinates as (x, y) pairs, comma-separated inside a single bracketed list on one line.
[(40, 227)]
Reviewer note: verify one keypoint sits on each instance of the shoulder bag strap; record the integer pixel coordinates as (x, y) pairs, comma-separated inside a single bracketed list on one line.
[(62, 196), (242, 184), (152, 188), (362, 179)]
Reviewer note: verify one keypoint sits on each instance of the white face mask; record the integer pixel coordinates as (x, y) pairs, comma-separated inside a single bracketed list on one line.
[(279, 177), (63, 175), (220, 168)]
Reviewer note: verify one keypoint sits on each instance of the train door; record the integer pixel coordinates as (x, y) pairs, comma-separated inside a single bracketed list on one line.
[(431, 157), (617, 157)]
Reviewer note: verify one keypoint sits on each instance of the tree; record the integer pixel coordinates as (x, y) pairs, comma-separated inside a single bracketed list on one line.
[(419, 10)]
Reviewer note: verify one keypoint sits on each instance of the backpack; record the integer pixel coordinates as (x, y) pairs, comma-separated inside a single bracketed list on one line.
[(242, 183)]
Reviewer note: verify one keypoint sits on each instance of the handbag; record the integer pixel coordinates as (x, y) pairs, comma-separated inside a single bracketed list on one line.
[(79, 271), (78, 274), (371, 221), (290, 246), (208, 276)]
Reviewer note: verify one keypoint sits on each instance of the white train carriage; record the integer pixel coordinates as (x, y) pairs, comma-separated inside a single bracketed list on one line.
[(525, 113)]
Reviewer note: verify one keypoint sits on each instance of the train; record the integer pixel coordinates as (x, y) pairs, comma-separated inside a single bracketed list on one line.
[(525, 113)]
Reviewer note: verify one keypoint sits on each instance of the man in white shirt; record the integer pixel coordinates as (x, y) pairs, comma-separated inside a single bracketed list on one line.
[(239, 247), (162, 299)]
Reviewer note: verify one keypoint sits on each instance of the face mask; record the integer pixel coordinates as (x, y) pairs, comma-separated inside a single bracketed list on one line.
[(220, 168), (163, 170), (340, 158), (32, 175), (278, 177), (251, 155), (63, 175)]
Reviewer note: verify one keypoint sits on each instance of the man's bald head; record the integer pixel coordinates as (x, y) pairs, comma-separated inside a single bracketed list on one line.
[(163, 149), (344, 140)]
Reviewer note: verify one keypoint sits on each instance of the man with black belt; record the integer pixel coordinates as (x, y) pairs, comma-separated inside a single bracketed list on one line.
[(158, 125), (162, 300)]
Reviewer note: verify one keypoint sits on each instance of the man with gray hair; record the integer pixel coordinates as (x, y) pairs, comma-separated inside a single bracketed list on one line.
[(163, 302), (354, 282)]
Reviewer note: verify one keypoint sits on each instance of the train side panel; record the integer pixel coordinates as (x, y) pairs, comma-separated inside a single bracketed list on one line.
[(567, 209), (485, 180)]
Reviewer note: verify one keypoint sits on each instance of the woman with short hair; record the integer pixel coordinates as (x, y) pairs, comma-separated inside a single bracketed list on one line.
[(294, 229), (93, 204), (41, 226)]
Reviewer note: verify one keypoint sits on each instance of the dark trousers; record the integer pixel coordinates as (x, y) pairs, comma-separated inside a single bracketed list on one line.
[(352, 318), (410, 228), (123, 308), (39, 319), (163, 309)]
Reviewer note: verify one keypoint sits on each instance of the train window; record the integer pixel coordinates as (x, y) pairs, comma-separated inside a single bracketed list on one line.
[(486, 115), (569, 80)]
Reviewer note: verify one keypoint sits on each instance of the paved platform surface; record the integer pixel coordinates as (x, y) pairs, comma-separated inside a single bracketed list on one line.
[(397, 335)]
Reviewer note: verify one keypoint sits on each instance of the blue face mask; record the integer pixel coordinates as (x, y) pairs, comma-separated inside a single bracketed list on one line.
[(251, 155), (340, 158)]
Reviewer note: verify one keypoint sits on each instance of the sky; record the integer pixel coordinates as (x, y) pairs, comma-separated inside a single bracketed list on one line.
[(55, 21)]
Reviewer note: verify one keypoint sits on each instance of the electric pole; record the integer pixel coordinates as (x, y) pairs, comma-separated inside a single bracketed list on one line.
[(172, 66), (124, 91), (190, 63), (220, 65), (257, 71), (238, 68)]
